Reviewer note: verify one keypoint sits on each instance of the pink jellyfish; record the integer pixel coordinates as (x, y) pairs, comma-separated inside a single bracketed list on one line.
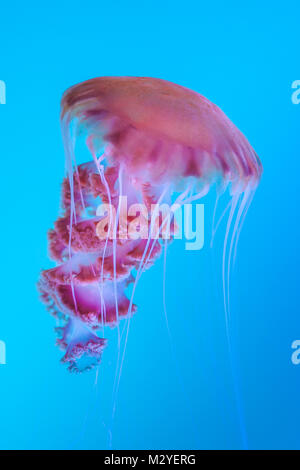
[(148, 139)]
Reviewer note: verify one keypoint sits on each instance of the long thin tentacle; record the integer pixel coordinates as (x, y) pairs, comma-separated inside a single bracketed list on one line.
[(226, 308), (247, 206)]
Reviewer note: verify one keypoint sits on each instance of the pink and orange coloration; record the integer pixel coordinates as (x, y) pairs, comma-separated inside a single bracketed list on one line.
[(148, 139)]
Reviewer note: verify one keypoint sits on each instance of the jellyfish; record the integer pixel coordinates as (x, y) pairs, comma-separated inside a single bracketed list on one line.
[(147, 140)]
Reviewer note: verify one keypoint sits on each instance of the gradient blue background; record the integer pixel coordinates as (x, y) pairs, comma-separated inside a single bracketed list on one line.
[(243, 58)]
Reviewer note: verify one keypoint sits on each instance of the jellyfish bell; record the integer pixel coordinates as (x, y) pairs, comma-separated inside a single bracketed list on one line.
[(161, 130), (149, 139)]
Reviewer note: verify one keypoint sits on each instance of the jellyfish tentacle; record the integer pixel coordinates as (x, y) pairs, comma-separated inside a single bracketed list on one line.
[(234, 372), (230, 218), (234, 234), (246, 208), (69, 161), (238, 207), (215, 229), (197, 196), (115, 254), (164, 287), (134, 288), (104, 181), (114, 267), (100, 171), (179, 201)]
